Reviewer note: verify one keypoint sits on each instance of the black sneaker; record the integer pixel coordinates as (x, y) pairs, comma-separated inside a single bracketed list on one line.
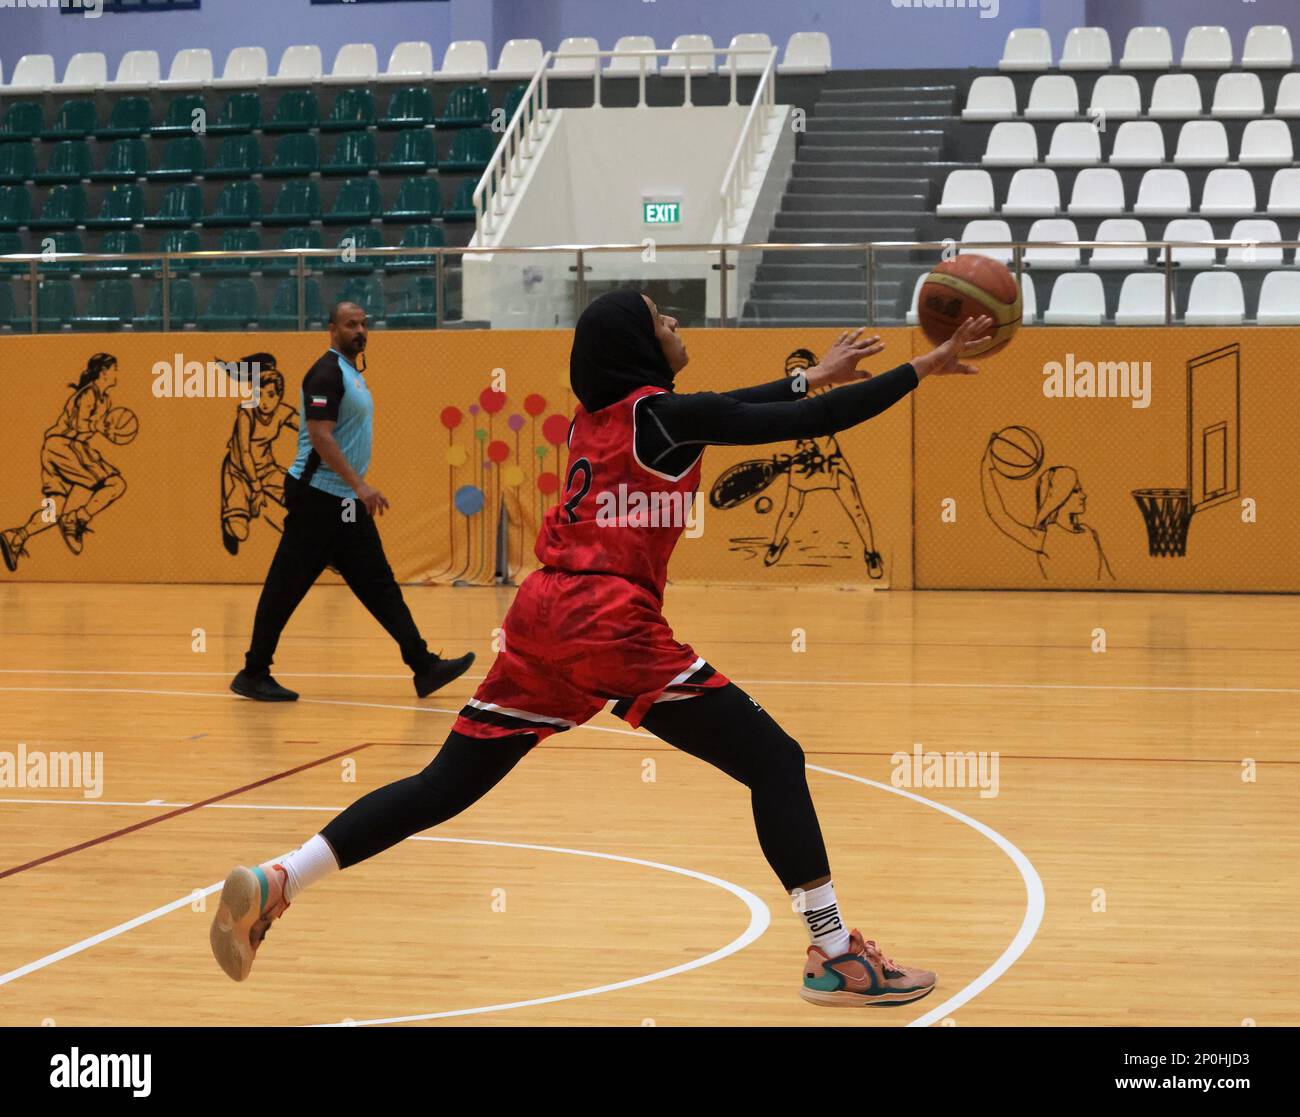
[(261, 688), (440, 672)]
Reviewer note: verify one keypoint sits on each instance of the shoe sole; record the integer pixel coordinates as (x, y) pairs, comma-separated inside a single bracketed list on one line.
[(241, 902), (260, 697), (841, 998)]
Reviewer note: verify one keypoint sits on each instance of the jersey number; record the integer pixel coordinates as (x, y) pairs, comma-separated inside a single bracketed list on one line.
[(583, 467)]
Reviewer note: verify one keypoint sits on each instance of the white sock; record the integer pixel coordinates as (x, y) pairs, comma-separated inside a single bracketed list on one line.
[(312, 861), (821, 915)]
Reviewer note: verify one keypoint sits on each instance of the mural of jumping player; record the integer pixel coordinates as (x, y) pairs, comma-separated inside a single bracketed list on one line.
[(1067, 549), (77, 483), (252, 481), (819, 465)]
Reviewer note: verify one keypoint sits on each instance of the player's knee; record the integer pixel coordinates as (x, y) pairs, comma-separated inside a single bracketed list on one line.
[(784, 759)]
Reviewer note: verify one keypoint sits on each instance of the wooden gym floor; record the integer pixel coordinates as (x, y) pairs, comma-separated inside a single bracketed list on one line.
[(1124, 873)]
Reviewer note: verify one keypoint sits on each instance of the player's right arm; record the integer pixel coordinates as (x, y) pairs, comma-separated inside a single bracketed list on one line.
[(1030, 538)]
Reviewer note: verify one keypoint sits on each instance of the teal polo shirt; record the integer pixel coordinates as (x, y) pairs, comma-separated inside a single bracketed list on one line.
[(334, 389)]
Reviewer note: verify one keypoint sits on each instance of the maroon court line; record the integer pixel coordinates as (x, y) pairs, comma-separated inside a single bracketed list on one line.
[(180, 811)]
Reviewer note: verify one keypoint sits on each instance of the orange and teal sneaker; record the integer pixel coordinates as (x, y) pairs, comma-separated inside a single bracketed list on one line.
[(250, 900), (863, 976)]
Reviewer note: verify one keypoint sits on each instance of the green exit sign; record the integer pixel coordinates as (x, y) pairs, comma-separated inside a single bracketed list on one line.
[(662, 213)]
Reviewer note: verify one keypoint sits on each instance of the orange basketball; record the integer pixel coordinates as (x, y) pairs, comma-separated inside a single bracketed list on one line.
[(121, 426), (966, 287)]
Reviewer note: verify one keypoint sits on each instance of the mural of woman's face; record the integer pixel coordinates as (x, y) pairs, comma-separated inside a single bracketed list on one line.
[(269, 398), (1076, 503), (108, 377)]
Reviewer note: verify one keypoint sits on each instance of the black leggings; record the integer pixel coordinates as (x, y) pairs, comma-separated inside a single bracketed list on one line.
[(724, 727)]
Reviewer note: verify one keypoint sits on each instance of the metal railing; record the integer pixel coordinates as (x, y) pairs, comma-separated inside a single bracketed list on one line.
[(750, 145)]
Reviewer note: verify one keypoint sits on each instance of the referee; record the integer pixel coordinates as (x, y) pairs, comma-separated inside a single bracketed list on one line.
[(330, 521)]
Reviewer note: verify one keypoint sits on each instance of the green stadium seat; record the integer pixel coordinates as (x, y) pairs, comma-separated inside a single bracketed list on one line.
[(358, 236), (177, 240), (416, 306), (417, 236), (295, 154), (233, 306), (514, 99), (110, 307), (301, 236), (184, 306), (237, 240), (15, 206), (416, 149), (469, 106), (297, 203), (130, 117), (367, 291), (419, 199), (471, 151), (56, 304), (284, 305), (240, 203), (17, 318), (67, 240), (183, 158), (17, 161), (23, 121), (117, 241), (353, 109), (241, 113), (76, 120), (127, 160), (123, 206), (65, 207), (239, 157), (354, 154), (410, 107), (294, 112), (358, 200), (462, 209), (181, 206), (69, 162), (178, 120), (11, 244)]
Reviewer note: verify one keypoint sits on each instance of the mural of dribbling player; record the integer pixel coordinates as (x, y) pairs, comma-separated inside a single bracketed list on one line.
[(1068, 550), (252, 481), (77, 483)]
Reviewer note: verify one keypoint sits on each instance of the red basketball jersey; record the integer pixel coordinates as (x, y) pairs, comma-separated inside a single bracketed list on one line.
[(616, 514)]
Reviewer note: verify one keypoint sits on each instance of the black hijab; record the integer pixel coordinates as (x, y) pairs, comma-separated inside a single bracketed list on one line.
[(615, 351)]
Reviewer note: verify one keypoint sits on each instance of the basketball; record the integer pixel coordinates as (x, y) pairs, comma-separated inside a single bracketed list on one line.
[(966, 287), (1017, 452), (121, 426)]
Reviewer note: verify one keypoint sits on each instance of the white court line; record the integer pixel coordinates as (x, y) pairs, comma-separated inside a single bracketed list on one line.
[(1034, 905)]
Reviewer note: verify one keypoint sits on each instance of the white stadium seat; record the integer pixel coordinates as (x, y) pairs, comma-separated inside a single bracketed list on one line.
[(354, 62), (138, 69), (1087, 48), (1078, 299), (759, 43), (1202, 143), (1116, 97), (1176, 96), (1239, 95), (1074, 145), (631, 67), (409, 61), (519, 60), (190, 69), (991, 232), (244, 66), (1120, 229), (464, 60), (1011, 145), (1216, 300), (1034, 192), (807, 52), (1098, 192), (1229, 191), (1284, 195), (699, 63), (990, 98), (34, 72), (1266, 143), (86, 70), (1202, 255), (1288, 96), (1138, 143), (1147, 48), (1279, 299), (1028, 48), (1028, 300), (967, 194), (1268, 48), (1053, 97), (300, 64), (1261, 232), (1207, 48), (1164, 191), (1142, 300), (567, 65), (1050, 229)]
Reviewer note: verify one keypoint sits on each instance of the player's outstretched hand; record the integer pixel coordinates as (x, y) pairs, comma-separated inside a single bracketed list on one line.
[(840, 365), (946, 359)]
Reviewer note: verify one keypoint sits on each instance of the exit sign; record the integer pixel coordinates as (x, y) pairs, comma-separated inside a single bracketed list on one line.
[(662, 213)]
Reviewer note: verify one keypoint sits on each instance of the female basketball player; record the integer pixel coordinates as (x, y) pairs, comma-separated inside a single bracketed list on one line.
[(587, 631)]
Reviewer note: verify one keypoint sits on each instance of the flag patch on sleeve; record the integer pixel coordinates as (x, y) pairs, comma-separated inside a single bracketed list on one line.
[(318, 401)]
